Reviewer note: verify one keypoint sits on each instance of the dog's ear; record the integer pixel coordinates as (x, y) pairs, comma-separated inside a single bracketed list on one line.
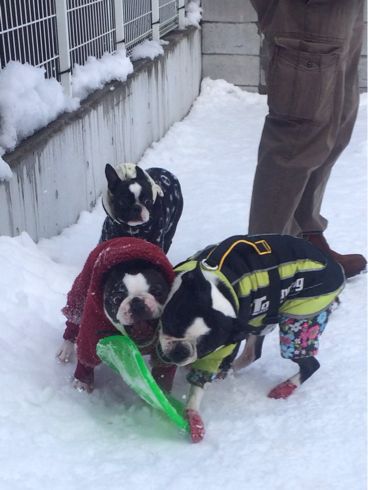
[(195, 282), (239, 330), (112, 177), (140, 174), (193, 278)]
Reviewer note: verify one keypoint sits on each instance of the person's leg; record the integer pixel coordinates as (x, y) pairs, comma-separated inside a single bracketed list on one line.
[(304, 95), (308, 212)]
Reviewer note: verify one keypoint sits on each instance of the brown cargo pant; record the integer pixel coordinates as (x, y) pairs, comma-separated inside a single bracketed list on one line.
[(313, 98)]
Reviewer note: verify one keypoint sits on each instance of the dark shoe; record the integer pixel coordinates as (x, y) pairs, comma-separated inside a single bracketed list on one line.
[(352, 264)]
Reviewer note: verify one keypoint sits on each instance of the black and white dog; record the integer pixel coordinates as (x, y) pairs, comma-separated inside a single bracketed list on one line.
[(121, 289), (241, 289), (141, 203)]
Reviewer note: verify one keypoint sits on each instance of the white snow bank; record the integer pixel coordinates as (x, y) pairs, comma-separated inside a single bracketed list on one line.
[(28, 102), (95, 73), (193, 15), (147, 49)]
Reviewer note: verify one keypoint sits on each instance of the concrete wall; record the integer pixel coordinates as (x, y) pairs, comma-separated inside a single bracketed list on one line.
[(232, 47), (231, 44), (59, 171)]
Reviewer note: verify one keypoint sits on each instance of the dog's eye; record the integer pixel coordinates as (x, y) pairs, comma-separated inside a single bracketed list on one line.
[(156, 290), (147, 202)]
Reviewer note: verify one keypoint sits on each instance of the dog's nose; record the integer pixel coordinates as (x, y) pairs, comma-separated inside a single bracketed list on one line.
[(136, 209), (137, 306), (179, 353)]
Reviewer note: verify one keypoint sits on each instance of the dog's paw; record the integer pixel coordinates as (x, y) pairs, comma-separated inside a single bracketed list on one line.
[(81, 386), (66, 351), (283, 390), (196, 425)]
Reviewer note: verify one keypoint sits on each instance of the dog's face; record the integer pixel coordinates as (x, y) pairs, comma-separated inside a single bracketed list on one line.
[(198, 318), (130, 201), (133, 292)]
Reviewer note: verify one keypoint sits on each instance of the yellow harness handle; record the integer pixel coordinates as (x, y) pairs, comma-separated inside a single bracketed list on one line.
[(256, 245)]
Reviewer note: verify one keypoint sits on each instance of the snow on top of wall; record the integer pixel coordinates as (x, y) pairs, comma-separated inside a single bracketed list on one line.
[(193, 14), (95, 73), (29, 101), (147, 49)]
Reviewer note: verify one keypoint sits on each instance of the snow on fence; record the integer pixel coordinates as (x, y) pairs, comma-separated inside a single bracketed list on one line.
[(56, 34)]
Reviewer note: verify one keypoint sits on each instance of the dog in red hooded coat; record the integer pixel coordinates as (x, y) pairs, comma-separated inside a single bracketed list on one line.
[(121, 289)]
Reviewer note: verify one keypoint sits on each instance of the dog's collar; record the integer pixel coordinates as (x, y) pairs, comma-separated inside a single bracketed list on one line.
[(110, 214), (192, 264), (123, 330)]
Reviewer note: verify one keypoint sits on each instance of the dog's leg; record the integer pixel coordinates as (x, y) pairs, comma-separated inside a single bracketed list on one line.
[(307, 366), (65, 351), (164, 376), (196, 424), (83, 378), (252, 351)]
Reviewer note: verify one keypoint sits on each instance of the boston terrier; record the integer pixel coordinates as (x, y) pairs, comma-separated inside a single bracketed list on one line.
[(121, 289), (242, 289), (141, 203)]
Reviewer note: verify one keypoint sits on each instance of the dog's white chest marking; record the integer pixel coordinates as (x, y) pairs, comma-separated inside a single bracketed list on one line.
[(136, 284)]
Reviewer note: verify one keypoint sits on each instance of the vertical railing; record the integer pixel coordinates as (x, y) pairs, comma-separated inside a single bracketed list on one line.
[(155, 20), (181, 13), (64, 51), (56, 34), (119, 25)]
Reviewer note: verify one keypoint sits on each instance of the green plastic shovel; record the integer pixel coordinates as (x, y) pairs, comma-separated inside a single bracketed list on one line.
[(121, 354)]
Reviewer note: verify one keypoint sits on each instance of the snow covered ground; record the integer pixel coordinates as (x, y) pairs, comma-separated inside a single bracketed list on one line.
[(53, 437)]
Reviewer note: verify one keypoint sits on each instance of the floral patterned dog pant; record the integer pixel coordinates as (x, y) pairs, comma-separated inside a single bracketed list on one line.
[(300, 337)]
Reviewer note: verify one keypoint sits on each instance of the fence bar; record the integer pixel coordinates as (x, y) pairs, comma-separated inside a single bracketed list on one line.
[(181, 12), (56, 34), (155, 20), (63, 41), (119, 24)]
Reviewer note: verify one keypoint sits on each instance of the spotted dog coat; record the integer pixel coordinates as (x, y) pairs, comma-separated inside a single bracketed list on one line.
[(164, 217)]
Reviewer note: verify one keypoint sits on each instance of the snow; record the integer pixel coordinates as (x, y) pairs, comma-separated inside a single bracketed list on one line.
[(29, 101), (53, 437), (95, 73), (193, 14), (147, 49)]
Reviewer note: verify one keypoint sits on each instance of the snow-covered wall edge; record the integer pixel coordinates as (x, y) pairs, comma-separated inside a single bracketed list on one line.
[(59, 171)]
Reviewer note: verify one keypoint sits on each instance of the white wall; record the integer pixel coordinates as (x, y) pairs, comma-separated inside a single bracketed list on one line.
[(59, 172)]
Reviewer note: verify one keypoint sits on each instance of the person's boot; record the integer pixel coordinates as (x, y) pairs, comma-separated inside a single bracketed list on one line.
[(352, 264)]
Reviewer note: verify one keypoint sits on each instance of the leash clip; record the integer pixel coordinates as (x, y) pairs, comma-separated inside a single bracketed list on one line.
[(209, 267)]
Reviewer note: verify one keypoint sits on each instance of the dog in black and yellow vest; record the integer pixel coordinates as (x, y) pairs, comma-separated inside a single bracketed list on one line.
[(242, 289)]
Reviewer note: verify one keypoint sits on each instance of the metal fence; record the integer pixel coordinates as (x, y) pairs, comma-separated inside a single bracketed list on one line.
[(56, 34)]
